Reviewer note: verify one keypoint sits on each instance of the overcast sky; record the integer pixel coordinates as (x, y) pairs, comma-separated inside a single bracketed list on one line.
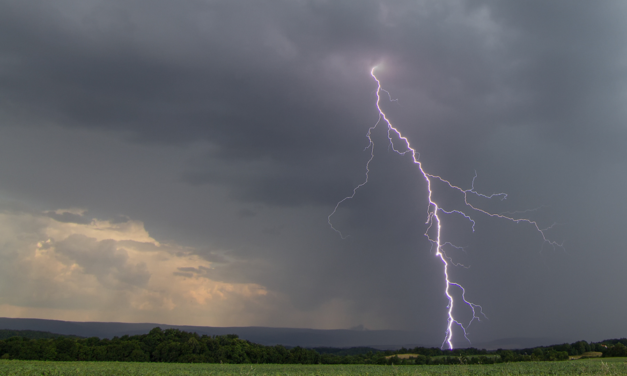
[(176, 161)]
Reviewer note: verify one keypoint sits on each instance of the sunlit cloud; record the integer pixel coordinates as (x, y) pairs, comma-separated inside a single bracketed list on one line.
[(102, 270)]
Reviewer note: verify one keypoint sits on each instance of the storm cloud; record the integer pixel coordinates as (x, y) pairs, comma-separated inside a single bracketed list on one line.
[(230, 130)]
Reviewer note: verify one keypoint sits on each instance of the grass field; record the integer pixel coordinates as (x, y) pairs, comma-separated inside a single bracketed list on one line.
[(410, 356), (605, 366)]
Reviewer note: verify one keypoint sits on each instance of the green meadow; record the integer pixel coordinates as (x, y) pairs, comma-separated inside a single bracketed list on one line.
[(602, 366)]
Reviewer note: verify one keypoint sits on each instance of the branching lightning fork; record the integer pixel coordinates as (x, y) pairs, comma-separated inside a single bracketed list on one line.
[(434, 211)]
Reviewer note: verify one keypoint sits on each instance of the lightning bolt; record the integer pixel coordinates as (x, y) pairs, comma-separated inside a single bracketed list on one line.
[(434, 210)]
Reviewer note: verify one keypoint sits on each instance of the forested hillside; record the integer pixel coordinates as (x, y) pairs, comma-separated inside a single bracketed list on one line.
[(173, 345)]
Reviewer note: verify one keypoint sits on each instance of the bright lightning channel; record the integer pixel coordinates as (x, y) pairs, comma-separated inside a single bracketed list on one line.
[(433, 215)]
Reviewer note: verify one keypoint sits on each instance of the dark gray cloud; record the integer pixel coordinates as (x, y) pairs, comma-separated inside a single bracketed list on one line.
[(235, 126), (68, 217)]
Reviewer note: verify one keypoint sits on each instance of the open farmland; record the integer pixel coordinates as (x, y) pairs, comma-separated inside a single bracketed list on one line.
[(404, 356), (611, 366), (414, 356)]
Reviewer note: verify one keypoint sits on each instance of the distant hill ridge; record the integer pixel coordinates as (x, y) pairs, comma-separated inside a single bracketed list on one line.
[(30, 334), (290, 337)]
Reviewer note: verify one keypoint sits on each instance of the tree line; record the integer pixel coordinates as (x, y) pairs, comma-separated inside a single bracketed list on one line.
[(173, 345)]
